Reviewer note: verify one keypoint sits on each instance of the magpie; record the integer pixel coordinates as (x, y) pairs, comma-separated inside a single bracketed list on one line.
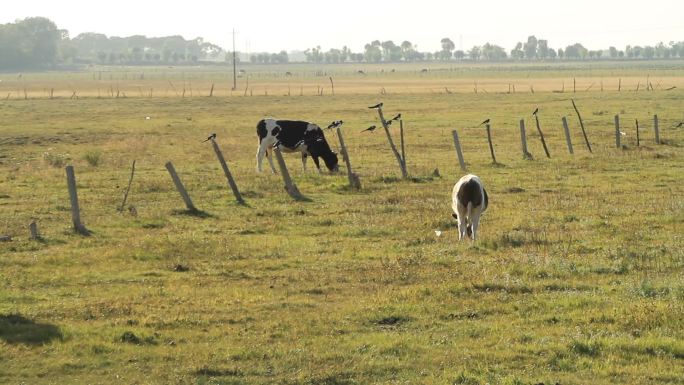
[(485, 122), (535, 111), (335, 124), (212, 136), (397, 117), (371, 128), (376, 106)]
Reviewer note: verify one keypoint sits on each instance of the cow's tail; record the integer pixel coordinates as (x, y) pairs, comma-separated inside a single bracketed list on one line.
[(469, 209)]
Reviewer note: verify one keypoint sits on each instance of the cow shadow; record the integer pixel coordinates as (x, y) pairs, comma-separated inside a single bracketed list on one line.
[(17, 329)]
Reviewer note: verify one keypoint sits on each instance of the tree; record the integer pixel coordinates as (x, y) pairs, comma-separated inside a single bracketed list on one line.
[(373, 53), (447, 47), (613, 52), (475, 53), (459, 55), (517, 52), (492, 52), (542, 49), (530, 48)]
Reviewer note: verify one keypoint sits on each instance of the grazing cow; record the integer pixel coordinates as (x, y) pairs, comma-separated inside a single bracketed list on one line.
[(293, 136), (469, 201)]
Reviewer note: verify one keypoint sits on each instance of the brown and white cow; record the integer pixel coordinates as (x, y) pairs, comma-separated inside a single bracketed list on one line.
[(468, 201)]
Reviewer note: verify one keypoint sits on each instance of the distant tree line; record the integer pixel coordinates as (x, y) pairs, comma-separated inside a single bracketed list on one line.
[(36, 42), (531, 50)]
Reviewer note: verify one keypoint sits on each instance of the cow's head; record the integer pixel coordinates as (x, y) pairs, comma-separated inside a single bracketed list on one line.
[(331, 161)]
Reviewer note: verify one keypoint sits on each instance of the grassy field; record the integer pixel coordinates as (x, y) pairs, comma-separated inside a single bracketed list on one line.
[(577, 278)]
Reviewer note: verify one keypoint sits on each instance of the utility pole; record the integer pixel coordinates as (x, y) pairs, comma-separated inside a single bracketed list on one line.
[(234, 64)]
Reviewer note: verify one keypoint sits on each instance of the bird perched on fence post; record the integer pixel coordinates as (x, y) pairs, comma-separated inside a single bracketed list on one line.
[(211, 137), (376, 106), (370, 129), (335, 124), (535, 111), (485, 122), (396, 117)]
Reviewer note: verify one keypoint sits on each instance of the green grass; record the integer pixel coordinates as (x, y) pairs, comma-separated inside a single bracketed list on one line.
[(577, 277)]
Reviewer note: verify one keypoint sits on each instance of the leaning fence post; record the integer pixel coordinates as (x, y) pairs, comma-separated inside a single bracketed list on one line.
[(290, 187), (459, 153), (354, 181), (404, 174), (75, 210), (180, 187), (489, 139), (523, 141), (128, 189), (617, 131), (655, 127), (567, 134), (579, 117), (541, 135), (226, 171)]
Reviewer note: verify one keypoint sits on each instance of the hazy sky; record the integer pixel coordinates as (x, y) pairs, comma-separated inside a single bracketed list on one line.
[(299, 24)]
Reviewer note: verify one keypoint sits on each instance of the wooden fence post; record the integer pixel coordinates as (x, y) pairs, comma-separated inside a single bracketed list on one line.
[(541, 135), (617, 131), (404, 174), (523, 141), (655, 127), (579, 117), (290, 187), (459, 153), (401, 137), (180, 187), (354, 181), (567, 134), (33, 229), (73, 196), (637, 131), (130, 180), (489, 139), (226, 171)]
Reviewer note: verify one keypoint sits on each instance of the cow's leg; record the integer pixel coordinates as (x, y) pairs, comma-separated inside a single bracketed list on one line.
[(304, 161), (462, 224), (475, 221), (261, 151), (318, 166), (269, 156)]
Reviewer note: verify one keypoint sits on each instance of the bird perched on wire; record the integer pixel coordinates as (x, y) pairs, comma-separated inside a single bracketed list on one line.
[(485, 122), (397, 117), (370, 129), (535, 111), (335, 124), (211, 137), (376, 106)]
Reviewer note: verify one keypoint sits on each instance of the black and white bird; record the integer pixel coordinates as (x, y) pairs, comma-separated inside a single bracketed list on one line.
[(535, 111), (485, 122), (397, 117), (211, 137), (335, 124), (388, 122), (370, 129), (376, 106)]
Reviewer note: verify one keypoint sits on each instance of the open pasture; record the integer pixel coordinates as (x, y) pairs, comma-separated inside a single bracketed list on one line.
[(577, 276)]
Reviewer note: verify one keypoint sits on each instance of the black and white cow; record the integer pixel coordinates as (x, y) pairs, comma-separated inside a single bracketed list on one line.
[(293, 136), (468, 200)]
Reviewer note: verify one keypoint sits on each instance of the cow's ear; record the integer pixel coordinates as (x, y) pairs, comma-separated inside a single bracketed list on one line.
[(454, 215)]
